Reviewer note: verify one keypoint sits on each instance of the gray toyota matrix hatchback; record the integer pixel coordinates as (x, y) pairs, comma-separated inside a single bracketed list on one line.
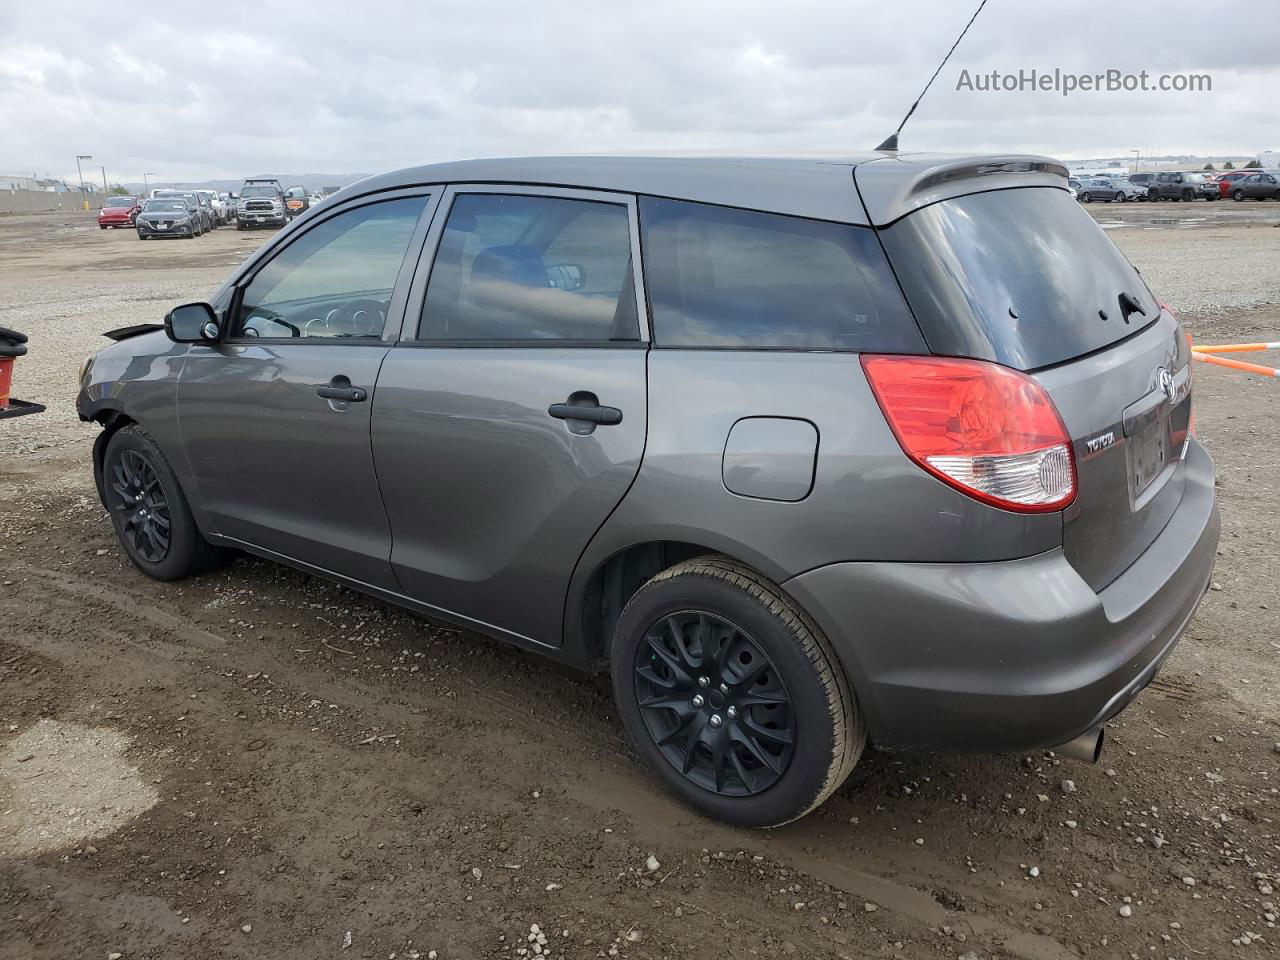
[(803, 452)]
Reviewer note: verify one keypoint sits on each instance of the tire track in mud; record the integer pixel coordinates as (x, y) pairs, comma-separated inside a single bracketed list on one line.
[(605, 788)]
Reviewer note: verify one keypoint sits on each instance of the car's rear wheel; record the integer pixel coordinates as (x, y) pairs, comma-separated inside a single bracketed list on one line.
[(148, 509), (732, 695)]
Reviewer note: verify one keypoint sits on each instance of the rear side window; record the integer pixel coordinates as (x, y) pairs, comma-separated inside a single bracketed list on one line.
[(1022, 277), (722, 277)]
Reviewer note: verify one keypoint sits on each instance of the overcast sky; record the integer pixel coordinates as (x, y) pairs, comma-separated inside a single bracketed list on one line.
[(191, 91)]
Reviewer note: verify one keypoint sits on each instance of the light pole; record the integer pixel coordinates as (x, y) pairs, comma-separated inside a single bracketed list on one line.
[(1136, 155), (104, 180), (146, 184), (84, 197)]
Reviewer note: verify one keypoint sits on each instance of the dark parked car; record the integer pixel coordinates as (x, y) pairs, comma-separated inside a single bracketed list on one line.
[(678, 419), (119, 212), (1181, 186), (1226, 180), (169, 217), (204, 216), (1258, 185)]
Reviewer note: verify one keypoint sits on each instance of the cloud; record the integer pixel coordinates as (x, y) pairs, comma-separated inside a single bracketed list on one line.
[(192, 91)]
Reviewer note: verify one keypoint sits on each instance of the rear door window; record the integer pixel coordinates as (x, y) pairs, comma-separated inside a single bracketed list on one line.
[(1023, 277), (520, 268), (723, 277)]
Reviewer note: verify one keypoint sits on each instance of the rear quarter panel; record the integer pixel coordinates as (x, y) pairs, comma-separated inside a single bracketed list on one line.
[(868, 501)]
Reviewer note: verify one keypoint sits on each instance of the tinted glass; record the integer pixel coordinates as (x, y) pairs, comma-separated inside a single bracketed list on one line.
[(969, 265), (531, 268), (121, 202), (165, 206), (721, 277), (336, 279)]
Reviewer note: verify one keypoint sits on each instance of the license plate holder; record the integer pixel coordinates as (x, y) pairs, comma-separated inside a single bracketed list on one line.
[(1150, 455)]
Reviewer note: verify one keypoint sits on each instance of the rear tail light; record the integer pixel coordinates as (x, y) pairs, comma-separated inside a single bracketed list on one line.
[(988, 431)]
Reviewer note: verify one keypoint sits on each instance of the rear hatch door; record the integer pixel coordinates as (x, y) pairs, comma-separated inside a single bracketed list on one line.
[(1025, 278)]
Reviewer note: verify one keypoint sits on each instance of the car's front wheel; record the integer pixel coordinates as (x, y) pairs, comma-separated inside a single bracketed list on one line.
[(732, 695), (148, 509), (1238, 196)]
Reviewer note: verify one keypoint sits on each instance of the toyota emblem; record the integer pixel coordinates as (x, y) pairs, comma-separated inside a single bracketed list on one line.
[(1165, 379)]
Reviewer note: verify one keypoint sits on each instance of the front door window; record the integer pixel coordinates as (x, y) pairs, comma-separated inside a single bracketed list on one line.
[(335, 280)]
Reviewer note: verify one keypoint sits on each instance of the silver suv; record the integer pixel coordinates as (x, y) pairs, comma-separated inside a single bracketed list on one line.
[(803, 453)]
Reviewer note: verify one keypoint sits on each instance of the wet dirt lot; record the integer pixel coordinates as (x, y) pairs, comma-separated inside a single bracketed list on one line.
[(259, 764)]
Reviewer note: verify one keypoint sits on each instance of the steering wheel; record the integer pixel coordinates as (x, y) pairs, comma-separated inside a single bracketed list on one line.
[(357, 318), (270, 317)]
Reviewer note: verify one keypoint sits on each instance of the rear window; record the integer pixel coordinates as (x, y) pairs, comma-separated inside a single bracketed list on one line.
[(1020, 277), (723, 277)]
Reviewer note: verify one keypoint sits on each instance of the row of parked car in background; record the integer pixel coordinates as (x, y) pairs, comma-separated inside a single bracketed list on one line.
[(262, 201), (1248, 184)]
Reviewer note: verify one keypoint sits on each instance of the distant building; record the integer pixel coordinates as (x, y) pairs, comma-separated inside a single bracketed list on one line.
[(17, 182), (1269, 159)]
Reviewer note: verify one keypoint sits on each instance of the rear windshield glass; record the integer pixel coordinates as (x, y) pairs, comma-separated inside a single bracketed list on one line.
[(723, 277), (121, 202), (1021, 277)]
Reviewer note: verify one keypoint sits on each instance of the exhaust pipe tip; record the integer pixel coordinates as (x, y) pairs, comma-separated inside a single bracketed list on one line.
[(1086, 747)]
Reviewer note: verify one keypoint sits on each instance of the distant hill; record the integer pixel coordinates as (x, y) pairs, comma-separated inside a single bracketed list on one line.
[(314, 182)]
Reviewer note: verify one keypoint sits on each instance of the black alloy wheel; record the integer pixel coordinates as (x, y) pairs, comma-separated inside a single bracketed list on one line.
[(139, 499), (714, 703)]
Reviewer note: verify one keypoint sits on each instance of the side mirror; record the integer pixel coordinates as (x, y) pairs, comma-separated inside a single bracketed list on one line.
[(192, 323)]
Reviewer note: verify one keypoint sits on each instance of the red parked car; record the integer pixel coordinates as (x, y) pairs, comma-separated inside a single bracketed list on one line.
[(119, 212)]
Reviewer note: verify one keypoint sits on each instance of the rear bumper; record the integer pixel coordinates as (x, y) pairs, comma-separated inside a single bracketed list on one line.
[(1013, 655)]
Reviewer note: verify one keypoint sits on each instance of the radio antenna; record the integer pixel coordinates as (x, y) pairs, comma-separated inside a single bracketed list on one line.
[(891, 142)]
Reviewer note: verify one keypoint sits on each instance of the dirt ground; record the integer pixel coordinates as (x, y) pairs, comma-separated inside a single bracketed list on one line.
[(257, 764)]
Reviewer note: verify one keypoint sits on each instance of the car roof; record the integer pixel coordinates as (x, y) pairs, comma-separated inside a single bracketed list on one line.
[(817, 187)]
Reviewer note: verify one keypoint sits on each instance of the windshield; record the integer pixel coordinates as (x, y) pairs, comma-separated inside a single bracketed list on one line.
[(165, 206), (263, 191), (1022, 277), (121, 202)]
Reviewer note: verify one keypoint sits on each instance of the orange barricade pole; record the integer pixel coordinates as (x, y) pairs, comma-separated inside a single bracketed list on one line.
[(1237, 365), (1236, 347)]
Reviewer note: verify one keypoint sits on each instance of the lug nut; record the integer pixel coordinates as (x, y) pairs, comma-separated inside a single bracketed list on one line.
[(697, 700), (724, 688), (715, 720), (732, 712), (704, 681)]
